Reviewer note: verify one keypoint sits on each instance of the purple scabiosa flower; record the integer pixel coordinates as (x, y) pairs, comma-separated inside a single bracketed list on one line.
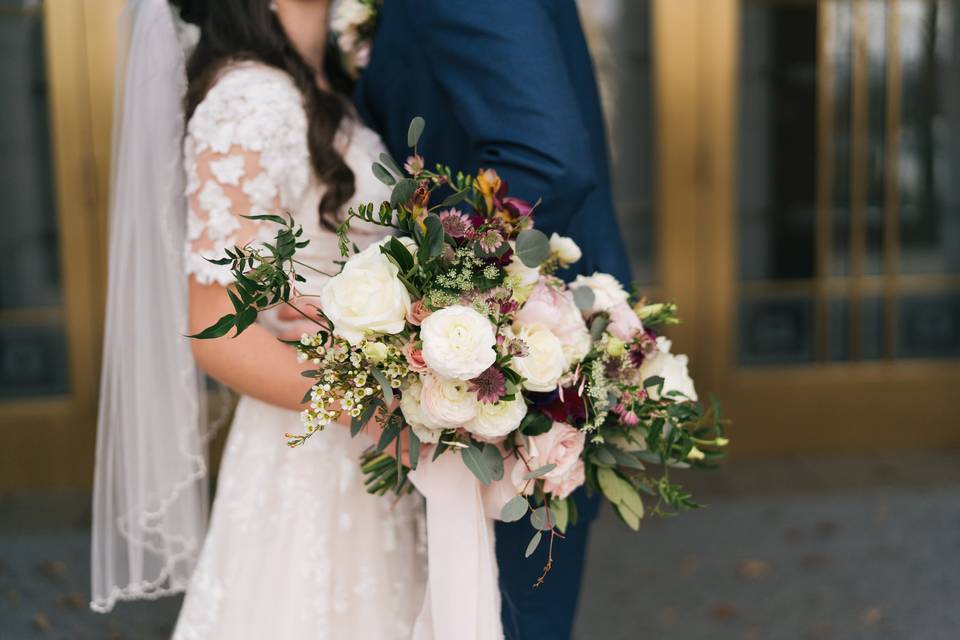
[(490, 386), (455, 223), (490, 240)]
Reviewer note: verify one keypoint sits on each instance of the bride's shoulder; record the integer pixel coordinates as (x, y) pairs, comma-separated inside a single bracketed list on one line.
[(248, 104)]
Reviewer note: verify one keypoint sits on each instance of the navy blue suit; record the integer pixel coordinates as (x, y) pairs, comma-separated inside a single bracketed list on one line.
[(508, 85)]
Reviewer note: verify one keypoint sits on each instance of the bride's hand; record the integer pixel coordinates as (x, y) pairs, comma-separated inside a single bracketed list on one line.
[(294, 322)]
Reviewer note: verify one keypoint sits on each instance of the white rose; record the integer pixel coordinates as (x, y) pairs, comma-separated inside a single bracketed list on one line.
[(458, 342), (672, 368), (497, 419), (446, 403), (348, 14), (545, 361), (413, 414), (565, 248), (607, 291), (366, 297)]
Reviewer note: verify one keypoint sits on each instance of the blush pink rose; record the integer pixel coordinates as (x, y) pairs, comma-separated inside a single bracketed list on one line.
[(557, 311), (418, 313), (624, 322), (562, 446), (414, 358)]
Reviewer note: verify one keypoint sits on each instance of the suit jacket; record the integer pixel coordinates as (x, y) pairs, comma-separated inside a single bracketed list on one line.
[(508, 85)]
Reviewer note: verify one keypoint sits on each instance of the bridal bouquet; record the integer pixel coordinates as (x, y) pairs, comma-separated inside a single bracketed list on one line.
[(454, 335)]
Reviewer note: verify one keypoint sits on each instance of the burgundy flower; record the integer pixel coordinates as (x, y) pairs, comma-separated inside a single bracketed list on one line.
[(489, 386), (519, 208), (570, 409)]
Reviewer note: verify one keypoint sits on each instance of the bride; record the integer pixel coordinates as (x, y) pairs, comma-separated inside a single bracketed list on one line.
[(295, 547)]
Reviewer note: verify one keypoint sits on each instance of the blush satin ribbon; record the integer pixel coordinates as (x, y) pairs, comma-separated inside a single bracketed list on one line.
[(462, 598)]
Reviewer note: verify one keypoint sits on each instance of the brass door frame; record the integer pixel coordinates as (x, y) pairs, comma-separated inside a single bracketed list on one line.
[(819, 407), (48, 443)]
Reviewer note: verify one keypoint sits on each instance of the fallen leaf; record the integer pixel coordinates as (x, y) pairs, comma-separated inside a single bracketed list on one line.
[(74, 601), (826, 528), (724, 611), (667, 616), (871, 616), (814, 561), (753, 569), (689, 564), (41, 622), (53, 569)]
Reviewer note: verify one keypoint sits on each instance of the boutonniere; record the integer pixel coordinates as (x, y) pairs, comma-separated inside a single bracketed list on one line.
[(352, 25)]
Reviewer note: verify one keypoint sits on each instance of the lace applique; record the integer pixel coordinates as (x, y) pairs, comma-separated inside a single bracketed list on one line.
[(245, 154)]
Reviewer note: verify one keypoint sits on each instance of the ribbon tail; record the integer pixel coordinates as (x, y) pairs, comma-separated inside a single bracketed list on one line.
[(462, 598)]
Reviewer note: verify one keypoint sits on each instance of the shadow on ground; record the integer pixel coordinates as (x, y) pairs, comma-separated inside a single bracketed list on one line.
[(793, 549)]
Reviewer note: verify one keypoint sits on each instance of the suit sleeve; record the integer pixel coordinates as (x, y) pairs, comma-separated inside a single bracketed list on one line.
[(502, 67)]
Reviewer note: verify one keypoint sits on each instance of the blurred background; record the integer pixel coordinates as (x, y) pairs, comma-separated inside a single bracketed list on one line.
[(788, 171)]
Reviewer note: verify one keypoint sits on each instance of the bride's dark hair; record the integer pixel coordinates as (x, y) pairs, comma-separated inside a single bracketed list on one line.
[(232, 30)]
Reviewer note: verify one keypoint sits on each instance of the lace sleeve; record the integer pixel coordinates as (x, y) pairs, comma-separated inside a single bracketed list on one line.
[(245, 154)]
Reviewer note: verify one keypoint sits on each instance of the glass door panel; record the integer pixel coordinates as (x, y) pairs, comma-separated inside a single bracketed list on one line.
[(848, 212), (33, 349)]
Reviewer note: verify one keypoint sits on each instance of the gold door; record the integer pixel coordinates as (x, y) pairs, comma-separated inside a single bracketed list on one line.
[(810, 161), (56, 71)]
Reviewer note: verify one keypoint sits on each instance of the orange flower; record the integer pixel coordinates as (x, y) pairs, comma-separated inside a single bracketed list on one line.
[(488, 184)]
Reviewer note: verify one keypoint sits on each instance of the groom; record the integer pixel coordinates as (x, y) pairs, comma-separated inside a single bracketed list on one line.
[(510, 86)]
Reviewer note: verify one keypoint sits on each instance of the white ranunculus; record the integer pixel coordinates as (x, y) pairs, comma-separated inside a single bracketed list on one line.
[(458, 342), (565, 248), (607, 291), (366, 297), (446, 403), (672, 368), (413, 414), (497, 419), (545, 361)]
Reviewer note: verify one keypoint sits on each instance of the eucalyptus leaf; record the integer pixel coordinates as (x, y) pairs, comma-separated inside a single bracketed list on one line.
[(381, 173), (584, 297), (539, 519), (402, 192), (534, 543), (535, 423), (515, 509), (474, 459), (384, 384), (532, 247), (494, 461), (414, 449), (454, 198), (387, 160), (561, 514), (415, 131), (540, 471)]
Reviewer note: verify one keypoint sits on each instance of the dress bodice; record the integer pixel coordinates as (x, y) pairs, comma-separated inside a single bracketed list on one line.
[(246, 153)]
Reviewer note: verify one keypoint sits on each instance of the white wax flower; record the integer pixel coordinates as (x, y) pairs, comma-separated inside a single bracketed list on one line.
[(458, 342), (497, 419), (545, 361), (366, 297)]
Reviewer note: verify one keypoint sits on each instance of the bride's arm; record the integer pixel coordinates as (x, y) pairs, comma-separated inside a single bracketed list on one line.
[(254, 363)]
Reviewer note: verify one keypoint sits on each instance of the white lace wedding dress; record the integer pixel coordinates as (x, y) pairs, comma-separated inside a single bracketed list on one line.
[(296, 548)]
